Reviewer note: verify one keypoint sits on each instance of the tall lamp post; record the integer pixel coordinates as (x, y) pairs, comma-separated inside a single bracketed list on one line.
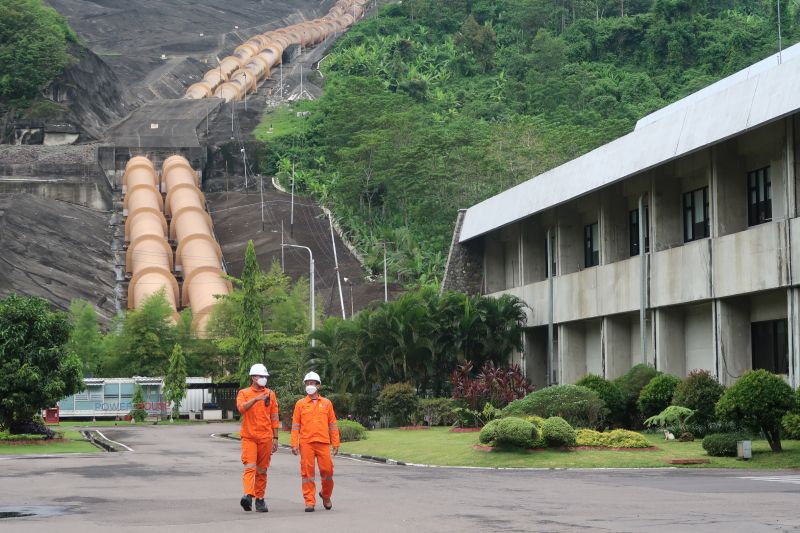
[(350, 283), (311, 283)]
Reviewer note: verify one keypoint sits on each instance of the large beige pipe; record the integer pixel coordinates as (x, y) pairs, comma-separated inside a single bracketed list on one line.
[(149, 256), (198, 254), (340, 17)]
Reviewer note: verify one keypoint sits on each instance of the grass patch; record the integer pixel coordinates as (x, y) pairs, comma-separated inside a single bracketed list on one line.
[(71, 442), (284, 121)]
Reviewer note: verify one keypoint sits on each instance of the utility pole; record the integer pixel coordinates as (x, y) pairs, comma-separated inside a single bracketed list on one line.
[(291, 212), (311, 282), (261, 189), (336, 263)]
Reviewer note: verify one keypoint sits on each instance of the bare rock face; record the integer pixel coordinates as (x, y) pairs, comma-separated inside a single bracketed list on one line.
[(56, 250)]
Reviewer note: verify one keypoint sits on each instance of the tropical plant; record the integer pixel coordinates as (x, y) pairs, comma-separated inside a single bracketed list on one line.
[(671, 416), (759, 399), (497, 386), (175, 381), (138, 413)]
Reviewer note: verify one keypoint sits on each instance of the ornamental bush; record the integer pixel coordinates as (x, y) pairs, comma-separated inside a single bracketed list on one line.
[(759, 400), (631, 385), (619, 438), (398, 402), (138, 413), (537, 421), (350, 430), (436, 412), (509, 432), (791, 426), (721, 444), (657, 395), (579, 406), (699, 391), (610, 393), (557, 432)]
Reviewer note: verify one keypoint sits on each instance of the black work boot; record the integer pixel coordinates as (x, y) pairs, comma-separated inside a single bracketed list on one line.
[(261, 506), (246, 502), (309, 509)]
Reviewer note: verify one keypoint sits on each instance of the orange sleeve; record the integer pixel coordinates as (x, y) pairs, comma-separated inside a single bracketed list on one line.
[(274, 414), (296, 426), (241, 399), (333, 427)]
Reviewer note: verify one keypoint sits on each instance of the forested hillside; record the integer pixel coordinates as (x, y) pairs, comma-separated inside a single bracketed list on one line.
[(434, 105)]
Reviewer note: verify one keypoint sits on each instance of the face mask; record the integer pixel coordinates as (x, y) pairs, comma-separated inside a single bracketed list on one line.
[(311, 389), (262, 382)]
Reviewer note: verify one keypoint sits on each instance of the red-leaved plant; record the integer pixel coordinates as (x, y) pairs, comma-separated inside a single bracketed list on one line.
[(497, 386)]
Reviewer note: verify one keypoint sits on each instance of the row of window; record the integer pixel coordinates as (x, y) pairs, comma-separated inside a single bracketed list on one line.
[(696, 217)]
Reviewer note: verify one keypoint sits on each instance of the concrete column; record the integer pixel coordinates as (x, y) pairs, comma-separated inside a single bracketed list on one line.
[(670, 344), (734, 354), (666, 212), (617, 345), (569, 241), (614, 237), (533, 252), (793, 303), (594, 357), (728, 198), (536, 356), (571, 352), (700, 338), (494, 263)]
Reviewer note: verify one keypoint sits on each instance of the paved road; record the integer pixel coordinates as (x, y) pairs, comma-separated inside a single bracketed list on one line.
[(181, 479)]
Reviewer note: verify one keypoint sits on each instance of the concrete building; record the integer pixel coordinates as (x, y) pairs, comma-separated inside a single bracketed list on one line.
[(708, 189)]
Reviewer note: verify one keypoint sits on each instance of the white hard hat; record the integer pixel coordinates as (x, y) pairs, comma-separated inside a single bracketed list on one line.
[(258, 370), (312, 376)]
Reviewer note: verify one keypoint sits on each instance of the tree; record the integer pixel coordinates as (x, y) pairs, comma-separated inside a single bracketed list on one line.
[(480, 40), (175, 380), (138, 413), (250, 325), (85, 339), (36, 369), (759, 399)]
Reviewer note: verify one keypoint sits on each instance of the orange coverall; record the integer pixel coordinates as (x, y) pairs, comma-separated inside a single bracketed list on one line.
[(259, 424), (314, 430)]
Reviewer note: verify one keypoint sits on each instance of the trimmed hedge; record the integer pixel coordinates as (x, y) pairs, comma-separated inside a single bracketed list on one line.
[(350, 430), (610, 393), (791, 426), (537, 421), (657, 395), (557, 432), (398, 402), (619, 438), (721, 444), (509, 432), (579, 406), (437, 411), (631, 385)]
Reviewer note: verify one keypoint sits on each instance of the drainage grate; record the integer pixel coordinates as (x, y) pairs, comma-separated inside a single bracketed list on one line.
[(13, 514)]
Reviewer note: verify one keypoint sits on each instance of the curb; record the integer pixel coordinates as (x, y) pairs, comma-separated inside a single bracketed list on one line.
[(101, 441)]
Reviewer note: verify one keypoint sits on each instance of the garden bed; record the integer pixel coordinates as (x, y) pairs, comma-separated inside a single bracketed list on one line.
[(68, 441)]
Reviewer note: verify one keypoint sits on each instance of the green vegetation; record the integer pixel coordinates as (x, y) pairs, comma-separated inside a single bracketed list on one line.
[(671, 417), (350, 430), (34, 49), (439, 446), (557, 432), (579, 406), (36, 370), (509, 433), (657, 395), (618, 438), (758, 400), (138, 413), (70, 442), (398, 402), (721, 444), (175, 381), (611, 395), (432, 106), (700, 391)]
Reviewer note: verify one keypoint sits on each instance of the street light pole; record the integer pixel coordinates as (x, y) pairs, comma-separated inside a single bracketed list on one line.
[(311, 283)]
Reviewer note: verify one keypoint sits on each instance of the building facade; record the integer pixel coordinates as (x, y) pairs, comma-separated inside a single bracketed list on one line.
[(677, 245)]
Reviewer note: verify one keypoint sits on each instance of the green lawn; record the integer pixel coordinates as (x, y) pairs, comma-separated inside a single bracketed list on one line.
[(73, 442), (438, 446), (283, 120)]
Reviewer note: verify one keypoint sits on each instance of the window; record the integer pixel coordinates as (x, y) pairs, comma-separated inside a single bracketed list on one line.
[(771, 346), (695, 215), (759, 197), (634, 227), (591, 240), (547, 258)]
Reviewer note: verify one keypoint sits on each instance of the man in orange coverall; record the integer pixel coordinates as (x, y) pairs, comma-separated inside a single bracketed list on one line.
[(259, 434), (314, 431)]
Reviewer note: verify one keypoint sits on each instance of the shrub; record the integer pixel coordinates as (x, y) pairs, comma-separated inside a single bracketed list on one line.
[(610, 393), (286, 405), (791, 426), (721, 444), (509, 432), (619, 438), (557, 432), (657, 395), (364, 409), (398, 401), (437, 411), (466, 417), (631, 385), (537, 422), (759, 400), (342, 403), (700, 391), (673, 417), (350, 430), (495, 385), (138, 413), (579, 406)]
